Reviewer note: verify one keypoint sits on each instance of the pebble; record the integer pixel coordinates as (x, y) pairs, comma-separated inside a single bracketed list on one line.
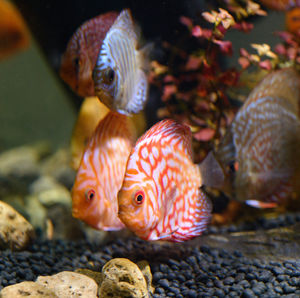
[(202, 274), (15, 231)]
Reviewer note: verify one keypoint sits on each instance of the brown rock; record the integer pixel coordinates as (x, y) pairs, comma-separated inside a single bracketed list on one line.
[(122, 278), (15, 231), (70, 284), (145, 268), (27, 289), (96, 276)]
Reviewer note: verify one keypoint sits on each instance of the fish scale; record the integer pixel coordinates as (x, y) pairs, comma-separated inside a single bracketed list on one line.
[(174, 208), (101, 171), (264, 140)]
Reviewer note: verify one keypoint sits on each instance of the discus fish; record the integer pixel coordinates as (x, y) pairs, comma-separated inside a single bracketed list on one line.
[(282, 5), (291, 9), (91, 112), (14, 35), (120, 72), (292, 20), (161, 197), (260, 151), (101, 172), (81, 53)]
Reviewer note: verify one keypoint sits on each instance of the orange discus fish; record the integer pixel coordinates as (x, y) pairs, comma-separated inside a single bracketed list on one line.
[(90, 113), (14, 35), (161, 197), (82, 51), (101, 172), (292, 20), (282, 5), (262, 145)]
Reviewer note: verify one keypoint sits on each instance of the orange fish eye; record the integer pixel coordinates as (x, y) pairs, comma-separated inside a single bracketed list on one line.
[(90, 195), (139, 197)]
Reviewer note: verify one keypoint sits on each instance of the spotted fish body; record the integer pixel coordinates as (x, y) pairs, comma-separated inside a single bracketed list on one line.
[(82, 51), (101, 172), (120, 72), (263, 141), (160, 197)]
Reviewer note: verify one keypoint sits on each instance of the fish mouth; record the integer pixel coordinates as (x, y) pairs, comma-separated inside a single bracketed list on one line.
[(105, 98), (75, 213)]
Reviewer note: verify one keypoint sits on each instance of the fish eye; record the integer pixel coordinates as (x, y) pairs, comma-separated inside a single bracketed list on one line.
[(139, 197), (233, 167), (76, 62), (90, 195), (109, 75)]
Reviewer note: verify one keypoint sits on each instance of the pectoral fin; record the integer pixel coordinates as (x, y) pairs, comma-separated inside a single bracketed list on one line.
[(211, 172)]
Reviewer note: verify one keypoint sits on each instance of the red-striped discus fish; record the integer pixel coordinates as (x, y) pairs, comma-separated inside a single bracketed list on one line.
[(263, 141), (101, 172), (160, 197)]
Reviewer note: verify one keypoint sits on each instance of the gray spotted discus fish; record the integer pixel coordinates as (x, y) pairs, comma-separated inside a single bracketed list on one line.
[(261, 147), (120, 74)]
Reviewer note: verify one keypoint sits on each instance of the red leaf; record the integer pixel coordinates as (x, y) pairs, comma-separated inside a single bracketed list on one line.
[(243, 26), (169, 90), (225, 46), (244, 52), (186, 21), (292, 53), (197, 31), (193, 63), (280, 49), (204, 134), (266, 64), (244, 62)]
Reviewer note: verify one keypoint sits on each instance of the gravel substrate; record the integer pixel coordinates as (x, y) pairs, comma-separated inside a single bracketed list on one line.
[(260, 223), (179, 270)]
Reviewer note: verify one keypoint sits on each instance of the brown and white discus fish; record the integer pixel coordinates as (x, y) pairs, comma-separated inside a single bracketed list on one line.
[(120, 73), (161, 197), (101, 172), (82, 51), (262, 144)]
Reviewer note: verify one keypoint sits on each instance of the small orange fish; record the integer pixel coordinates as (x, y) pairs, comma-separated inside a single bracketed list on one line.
[(82, 51), (161, 197), (14, 35), (282, 5), (120, 74), (292, 20), (101, 172), (260, 151)]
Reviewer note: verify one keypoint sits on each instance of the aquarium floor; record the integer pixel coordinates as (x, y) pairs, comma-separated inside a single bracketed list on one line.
[(193, 269)]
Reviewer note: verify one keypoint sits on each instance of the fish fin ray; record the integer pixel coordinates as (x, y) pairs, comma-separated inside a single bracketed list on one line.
[(136, 104), (212, 174)]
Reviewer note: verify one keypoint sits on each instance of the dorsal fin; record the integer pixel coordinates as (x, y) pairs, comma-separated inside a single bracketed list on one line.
[(169, 128)]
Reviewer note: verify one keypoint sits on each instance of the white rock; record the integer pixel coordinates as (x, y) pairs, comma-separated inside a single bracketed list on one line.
[(68, 284), (27, 289)]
